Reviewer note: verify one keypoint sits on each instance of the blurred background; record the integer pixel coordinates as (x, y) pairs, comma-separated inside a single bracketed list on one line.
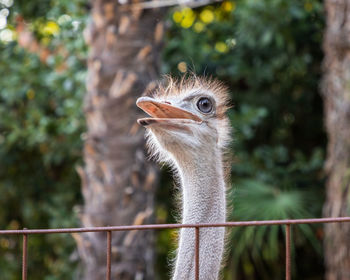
[(269, 54)]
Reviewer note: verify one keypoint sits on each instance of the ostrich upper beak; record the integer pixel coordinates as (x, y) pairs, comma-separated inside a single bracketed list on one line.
[(163, 113)]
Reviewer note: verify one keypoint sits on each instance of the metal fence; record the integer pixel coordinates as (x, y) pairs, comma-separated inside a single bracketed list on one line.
[(287, 223)]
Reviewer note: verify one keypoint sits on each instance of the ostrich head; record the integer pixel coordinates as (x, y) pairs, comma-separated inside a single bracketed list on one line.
[(188, 129), (187, 117)]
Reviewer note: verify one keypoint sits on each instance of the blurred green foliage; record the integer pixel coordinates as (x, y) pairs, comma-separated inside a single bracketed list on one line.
[(268, 53), (40, 135)]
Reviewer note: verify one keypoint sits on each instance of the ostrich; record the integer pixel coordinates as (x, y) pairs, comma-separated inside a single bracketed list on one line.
[(188, 130)]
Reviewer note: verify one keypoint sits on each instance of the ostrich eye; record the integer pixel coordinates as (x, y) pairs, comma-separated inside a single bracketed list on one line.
[(204, 105)]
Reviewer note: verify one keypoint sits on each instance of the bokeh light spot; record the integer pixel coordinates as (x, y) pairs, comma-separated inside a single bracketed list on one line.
[(228, 6), (4, 12), (7, 3), (51, 28), (3, 22), (6, 35), (198, 27), (221, 47), (76, 24), (231, 43), (188, 18), (207, 16), (177, 16), (63, 19), (182, 66)]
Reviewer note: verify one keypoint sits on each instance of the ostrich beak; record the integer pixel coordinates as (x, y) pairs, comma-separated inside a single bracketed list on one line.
[(163, 113)]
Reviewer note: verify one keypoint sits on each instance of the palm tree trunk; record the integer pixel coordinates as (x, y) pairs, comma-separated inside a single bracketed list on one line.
[(336, 93), (117, 181)]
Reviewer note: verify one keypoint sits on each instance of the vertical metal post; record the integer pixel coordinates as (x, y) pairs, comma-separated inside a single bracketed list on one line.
[(109, 251), (288, 258), (197, 254), (24, 257)]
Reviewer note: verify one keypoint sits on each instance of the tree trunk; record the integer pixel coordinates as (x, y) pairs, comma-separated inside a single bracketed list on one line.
[(118, 183), (336, 93)]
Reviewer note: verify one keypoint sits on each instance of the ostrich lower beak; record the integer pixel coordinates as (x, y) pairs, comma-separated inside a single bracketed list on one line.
[(163, 113)]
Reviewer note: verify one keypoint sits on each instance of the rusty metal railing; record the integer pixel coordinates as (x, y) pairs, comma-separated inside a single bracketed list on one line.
[(287, 223)]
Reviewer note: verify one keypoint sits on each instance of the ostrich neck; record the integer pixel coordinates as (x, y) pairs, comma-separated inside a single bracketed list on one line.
[(203, 193)]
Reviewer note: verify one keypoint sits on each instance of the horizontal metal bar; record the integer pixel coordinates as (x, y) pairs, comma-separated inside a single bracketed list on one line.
[(165, 226)]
